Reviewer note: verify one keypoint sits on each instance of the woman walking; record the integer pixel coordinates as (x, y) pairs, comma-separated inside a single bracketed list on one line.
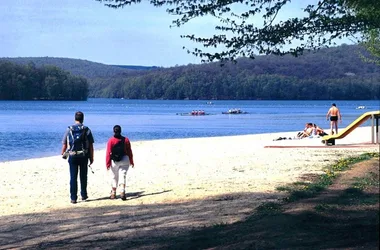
[(119, 157)]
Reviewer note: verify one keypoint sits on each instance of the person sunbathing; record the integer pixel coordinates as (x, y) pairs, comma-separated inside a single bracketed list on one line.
[(308, 131), (319, 131)]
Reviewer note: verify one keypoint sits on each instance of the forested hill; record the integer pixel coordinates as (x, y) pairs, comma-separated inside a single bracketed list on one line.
[(27, 82), (333, 73), (328, 74), (331, 63), (76, 67)]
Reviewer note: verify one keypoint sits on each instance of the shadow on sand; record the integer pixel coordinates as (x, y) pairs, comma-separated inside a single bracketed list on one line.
[(348, 220), (130, 195)]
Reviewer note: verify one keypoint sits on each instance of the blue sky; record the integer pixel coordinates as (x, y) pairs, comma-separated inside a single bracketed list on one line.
[(86, 29)]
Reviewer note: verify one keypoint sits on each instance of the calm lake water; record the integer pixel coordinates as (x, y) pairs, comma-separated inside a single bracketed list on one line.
[(32, 129)]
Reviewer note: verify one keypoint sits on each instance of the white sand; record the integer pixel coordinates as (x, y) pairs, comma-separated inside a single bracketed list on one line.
[(178, 170)]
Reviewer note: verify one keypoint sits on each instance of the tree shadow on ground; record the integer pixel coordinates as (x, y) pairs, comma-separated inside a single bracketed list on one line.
[(350, 220), (345, 218)]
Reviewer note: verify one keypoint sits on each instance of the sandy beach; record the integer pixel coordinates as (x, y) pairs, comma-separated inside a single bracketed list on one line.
[(175, 185)]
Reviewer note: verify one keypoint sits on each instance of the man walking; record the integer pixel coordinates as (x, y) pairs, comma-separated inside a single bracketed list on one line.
[(334, 114), (77, 145)]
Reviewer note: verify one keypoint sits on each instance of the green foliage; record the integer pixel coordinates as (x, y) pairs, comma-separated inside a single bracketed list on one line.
[(78, 67), (329, 74), (369, 9), (26, 82), (255, 28), (372, 44)]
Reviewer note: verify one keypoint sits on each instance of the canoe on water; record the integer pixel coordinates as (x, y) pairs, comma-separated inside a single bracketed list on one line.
[(192, 114)]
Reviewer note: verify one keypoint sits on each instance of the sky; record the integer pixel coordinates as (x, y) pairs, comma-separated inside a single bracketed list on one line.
[(85, 29)]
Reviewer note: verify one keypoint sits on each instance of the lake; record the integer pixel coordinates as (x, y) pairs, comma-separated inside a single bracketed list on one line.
[(33, 129)]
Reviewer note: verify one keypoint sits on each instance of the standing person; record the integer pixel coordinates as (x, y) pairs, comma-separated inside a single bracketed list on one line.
[(77, 145), (334, 114), (119, 157)]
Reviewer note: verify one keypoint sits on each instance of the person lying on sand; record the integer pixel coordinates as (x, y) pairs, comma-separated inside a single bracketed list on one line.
[(318, 131), (307, 132)]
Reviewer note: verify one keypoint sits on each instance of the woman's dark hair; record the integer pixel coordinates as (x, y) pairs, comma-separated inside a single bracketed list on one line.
[(117, 131), (79, 116)]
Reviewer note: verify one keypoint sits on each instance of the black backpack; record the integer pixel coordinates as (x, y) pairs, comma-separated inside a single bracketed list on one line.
[(117, 151), (78, 141)]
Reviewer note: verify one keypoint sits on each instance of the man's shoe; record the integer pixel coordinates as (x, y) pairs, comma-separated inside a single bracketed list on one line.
[(122, 196), (113, 195), (73, 201), (84, 198)]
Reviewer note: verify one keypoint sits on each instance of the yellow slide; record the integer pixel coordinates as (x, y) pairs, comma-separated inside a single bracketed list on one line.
[(364, 117)]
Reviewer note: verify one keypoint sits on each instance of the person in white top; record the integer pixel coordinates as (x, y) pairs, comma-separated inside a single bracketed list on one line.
[(307, 132)]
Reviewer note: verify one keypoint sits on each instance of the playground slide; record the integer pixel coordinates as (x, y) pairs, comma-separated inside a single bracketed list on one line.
[(359, 121)]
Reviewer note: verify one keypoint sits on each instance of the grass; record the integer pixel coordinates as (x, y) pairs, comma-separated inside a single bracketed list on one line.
[(370, 180), (302, 190)]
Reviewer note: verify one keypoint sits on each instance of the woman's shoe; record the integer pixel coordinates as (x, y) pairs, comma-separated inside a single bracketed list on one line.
[(122, 196)]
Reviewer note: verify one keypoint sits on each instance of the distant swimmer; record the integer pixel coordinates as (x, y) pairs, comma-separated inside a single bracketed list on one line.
[(334, 115)]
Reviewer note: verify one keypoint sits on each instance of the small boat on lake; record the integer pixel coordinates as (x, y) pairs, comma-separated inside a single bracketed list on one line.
[(234, 112), (360, 107), (195, 113)]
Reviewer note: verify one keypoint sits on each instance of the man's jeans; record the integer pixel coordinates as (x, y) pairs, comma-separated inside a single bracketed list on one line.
[(78, 164)]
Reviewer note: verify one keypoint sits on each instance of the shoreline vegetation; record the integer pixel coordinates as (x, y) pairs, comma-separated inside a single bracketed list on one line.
[(27, 82), (200, 193), (337, 73)]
